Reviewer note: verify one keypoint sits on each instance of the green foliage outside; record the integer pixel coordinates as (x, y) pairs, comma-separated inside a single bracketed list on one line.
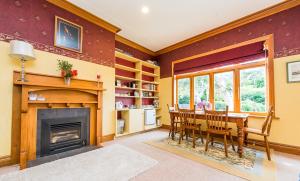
[(184, 92), (252, 90), (223, 90), (201, 84)]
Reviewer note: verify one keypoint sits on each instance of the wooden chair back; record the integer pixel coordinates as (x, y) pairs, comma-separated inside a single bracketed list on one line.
[(216, 120), (187, 116), (170, 109), (266, 127)]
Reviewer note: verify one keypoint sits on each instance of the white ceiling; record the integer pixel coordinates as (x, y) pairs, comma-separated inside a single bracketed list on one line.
[(169, 21)]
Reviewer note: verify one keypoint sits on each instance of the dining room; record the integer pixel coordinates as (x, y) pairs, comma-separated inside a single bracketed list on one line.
[(149, 90)]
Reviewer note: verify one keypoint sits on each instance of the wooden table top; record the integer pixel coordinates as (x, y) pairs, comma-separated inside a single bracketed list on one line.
[(230, 115)]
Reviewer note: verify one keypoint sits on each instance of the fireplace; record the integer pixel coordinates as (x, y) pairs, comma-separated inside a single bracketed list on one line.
[(60, 130)]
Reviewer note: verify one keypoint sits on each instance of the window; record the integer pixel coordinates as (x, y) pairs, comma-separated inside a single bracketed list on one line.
[(201, 90), (223, 92), (184, 96), (241, 87), (253, 89)]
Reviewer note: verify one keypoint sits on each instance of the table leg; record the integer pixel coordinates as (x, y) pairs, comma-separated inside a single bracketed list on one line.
[(173, 127), (240, 131), (246, 134)]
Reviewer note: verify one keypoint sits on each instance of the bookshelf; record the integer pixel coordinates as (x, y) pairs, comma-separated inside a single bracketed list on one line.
[(136, 86)]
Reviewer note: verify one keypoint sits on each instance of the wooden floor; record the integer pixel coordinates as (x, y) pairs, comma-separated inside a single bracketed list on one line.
[(173, 167)]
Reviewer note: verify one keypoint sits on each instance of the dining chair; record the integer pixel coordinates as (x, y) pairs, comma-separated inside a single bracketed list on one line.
[(189, 125), (174, 121), (264, 131), (217, 124)]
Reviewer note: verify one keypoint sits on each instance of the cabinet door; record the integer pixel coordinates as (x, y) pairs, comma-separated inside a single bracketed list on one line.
[(136, 120)]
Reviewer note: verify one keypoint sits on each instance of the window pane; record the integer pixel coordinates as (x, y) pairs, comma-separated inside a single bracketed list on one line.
[(184, 97), (201, 90), (253, 89), (223, 91)]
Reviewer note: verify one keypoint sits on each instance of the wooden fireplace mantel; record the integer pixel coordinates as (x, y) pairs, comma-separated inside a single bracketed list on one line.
[(80, 93)]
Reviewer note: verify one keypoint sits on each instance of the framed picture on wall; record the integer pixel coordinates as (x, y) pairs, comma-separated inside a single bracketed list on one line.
[(293, 71), (68, 35)]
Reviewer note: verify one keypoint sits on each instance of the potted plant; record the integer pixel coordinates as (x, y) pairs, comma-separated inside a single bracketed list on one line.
[(66, 71)]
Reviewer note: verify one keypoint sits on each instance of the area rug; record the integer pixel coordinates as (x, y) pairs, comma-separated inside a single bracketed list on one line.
[(253, 166), (111, 163)]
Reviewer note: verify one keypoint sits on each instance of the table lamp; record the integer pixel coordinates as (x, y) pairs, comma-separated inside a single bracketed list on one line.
[(23, 51)]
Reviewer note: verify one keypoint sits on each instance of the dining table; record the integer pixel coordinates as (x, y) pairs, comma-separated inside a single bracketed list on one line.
[(241, 120)]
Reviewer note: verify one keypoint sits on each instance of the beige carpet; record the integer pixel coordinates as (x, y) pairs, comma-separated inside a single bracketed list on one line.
[(254, 166), (111, 163)]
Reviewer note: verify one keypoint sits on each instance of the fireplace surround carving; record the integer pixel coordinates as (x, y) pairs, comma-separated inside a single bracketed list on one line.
[(80, 94)]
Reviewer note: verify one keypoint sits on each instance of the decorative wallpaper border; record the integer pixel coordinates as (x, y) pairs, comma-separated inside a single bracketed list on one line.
[(287, 52), (58, 51)]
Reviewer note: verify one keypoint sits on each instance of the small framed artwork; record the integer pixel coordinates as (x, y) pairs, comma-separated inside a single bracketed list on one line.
[(293, 71), (68, 35)]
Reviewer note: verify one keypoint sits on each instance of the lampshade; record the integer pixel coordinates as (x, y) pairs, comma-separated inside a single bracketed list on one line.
[(21, 50)]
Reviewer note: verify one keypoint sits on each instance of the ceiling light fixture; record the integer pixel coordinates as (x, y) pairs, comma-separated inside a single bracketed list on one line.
[(145, 10)]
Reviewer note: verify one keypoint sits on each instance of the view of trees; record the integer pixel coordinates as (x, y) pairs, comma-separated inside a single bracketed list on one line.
[(201, 89), (184, 93), (223, 84), (252, 90)]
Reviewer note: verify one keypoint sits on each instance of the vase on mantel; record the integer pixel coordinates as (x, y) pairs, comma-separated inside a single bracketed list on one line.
[(67, 81)]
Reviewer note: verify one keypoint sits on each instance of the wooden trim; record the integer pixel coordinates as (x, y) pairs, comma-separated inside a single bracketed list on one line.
[(268, 43), (5, 161), (236, 91), (134, 45), (57, 76), (234, 24), (212, 89), (108, 137), (64, 4), (192, 96), (236, 81), (295, 150), (270, 73), (242, 21)]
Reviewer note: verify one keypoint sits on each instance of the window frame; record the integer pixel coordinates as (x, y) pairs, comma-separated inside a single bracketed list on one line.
[(236, 84)]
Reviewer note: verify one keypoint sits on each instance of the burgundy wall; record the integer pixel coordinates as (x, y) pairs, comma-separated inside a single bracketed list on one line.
[(33, 21), (134, 52), (284, 25)]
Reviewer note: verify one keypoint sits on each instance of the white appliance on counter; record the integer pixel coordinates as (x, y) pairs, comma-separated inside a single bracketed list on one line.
[(150, 116)]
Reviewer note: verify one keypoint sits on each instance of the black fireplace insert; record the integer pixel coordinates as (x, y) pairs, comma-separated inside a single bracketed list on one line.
[(61, 130)]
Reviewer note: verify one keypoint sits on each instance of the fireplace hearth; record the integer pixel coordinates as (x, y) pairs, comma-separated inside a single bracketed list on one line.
[(61, 130)]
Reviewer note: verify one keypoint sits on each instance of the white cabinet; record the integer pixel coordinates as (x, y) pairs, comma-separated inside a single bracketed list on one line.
[(150, 116), (136, 120)]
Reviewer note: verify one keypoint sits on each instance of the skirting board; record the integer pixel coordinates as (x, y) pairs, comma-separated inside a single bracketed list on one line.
[(109, 137), (276, 146), (7, 160)]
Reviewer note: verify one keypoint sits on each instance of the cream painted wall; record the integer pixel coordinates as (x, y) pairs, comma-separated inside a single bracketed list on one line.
[(46, 63), (285, 130)]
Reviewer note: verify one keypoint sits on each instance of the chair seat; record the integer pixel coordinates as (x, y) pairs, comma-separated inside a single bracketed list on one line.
[(254, 131), (222, 131), (192, 126)]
